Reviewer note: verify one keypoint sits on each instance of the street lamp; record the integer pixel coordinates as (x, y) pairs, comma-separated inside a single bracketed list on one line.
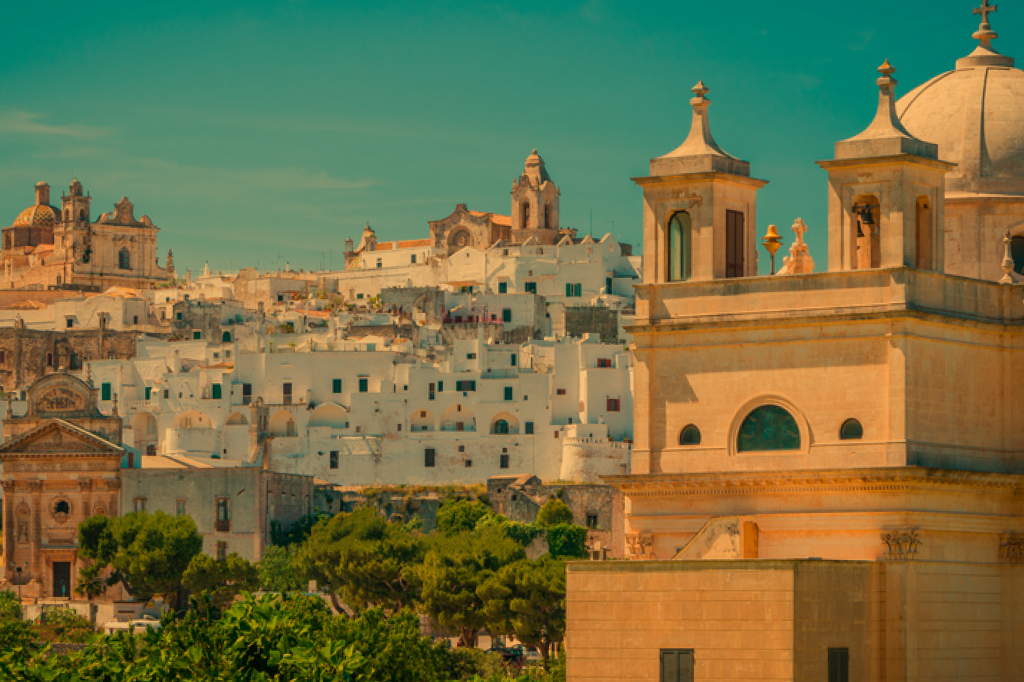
[(772, 243)]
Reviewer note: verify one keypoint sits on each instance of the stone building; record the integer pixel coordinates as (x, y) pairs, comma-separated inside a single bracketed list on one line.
[(827, 482), (52, 248)]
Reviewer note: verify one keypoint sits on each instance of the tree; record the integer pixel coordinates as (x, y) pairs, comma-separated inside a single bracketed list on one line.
[(222, 579), (554, 512), (365, 560), (566, 541), (457, 515), (528, 598), (454, 567), (148, 552), (277, 570)]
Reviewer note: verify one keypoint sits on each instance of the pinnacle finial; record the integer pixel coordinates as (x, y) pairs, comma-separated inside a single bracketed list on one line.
[(985, 34), (700, 89), (887, 69)]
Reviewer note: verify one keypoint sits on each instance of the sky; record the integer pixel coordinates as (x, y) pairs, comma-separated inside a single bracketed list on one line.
[(263, 133)]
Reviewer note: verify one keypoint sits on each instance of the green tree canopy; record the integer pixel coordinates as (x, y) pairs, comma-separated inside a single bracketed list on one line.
[(454, 567), (553, 513), (221, 579), (364, 560), (277, 570), (457, 515), (148, 552)]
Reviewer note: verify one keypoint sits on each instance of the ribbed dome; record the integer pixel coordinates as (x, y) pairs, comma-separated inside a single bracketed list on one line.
[(38, 215), (976, 116)]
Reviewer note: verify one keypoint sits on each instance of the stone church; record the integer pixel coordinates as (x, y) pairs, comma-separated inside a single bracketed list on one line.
[(63, 248), (828, 476)]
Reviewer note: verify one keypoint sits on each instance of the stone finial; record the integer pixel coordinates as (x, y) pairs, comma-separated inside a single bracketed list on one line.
[(699, 90), (985, 34), (88, 373), (799, 261), (1007, 264)]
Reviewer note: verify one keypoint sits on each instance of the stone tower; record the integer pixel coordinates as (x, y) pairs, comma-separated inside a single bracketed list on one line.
[(534, 203)]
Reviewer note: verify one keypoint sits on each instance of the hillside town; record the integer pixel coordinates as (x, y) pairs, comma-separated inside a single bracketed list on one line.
[(646, 463)]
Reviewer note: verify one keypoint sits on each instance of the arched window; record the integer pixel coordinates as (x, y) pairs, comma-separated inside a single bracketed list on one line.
[(1017, 253), (500, 426), (62, 507), (690, 435), (81, 214), (526, 214), (679, 247), (768, 427), (124, 260), (851, 430), (225, 337)]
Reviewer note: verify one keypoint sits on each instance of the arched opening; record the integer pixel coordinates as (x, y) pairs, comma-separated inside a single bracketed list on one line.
[(62, 507), (867, 235), (81, 214), (225, 337), (192, 419), (67, 214), (690, 435), (282, 424), (236, 419), (1017, 253), (924, 233), (422, 420), (735, 244), (679, 230), (329, 415), (851, 430), (504, 423), (124, 260), (144, 431), (457, 418), (547, 215), (768, 428)]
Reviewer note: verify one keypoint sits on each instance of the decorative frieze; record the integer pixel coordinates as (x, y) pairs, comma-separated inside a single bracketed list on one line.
[(639, 546), (1011, 548), (901, 545)]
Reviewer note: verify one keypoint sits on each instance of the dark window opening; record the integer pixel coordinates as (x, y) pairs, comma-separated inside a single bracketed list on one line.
[(767, 428), (677, 665), (851, 430), (428, 457), (838, 665), (690, 435), (334, 459), (503, 462)]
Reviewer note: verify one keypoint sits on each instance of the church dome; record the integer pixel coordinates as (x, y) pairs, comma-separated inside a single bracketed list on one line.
[(38, 215), (975, 114)]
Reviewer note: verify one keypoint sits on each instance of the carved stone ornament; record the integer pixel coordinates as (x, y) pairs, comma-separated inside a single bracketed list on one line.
[(61, 400), (901, 545), (639, 546), (61, 509), (1011, 548), (23, 515)]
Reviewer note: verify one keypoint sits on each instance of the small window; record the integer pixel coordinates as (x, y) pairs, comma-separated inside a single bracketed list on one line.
[(246, 394), (139, 504), (613, 404), (334, 459), (471, 356), (851, 430), (49, 359), (677, 665), (500, 427), (286, 392), (838, 665), (560, 391), (105, 391), (181, 507), (513, 360), (380, 263), (530, 287), (69, 323), (215, 391), (178, 316), (508, 393), (413, 259), (506, 315), (462, 448), (556, 435), (222, 550), (428, 457), (768, 428), (223, 522), (604, 362), (364, 385), (124, 260), (149, 392), (591, 521), (336, 385), (690, 435), (503, 462), (469, 463), (197, 335), (528, 428), (502, 287)]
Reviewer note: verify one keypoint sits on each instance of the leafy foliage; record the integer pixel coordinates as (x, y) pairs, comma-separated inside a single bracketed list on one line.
[(297, 533), (528, 598), (554, 513), (457, 515), (566, 541), (222, 579), (277, 571)]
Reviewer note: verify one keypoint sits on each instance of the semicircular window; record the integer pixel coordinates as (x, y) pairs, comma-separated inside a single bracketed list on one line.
[(851, 430), (690, 435), (768, 427), (1017, 253)]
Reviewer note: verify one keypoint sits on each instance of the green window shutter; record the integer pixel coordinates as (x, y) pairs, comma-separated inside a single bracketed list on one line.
[(440, 386), (215, 392), (364, 385), (196, 335), (513, 360), (528, 428), (508, 393), (502, 287), (149, 390), (568, 290), (105, 392), (506, 315), (336, 386)]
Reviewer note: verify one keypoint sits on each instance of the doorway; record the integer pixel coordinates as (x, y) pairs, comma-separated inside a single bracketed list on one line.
[(61, 578)]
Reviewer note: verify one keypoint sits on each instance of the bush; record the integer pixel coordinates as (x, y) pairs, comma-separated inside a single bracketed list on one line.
[(553, 513)]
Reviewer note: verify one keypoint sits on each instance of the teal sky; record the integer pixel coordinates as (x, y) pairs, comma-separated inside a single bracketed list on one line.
[(255, 133)]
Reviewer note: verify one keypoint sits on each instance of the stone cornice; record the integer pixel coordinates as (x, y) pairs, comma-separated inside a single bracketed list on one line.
[(891, 479)]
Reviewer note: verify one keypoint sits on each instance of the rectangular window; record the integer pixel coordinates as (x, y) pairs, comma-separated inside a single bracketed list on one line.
[(430, 393), (604, 362), (508, 393), (469, 463), (413, 259), (139, 504), (838, 665), (503, 462), (246, 394), (181, 507), (440, 387), (506, 314), (559, 391), (556, 435), (334, 459), (467, 385), (105, 391), (733, 244), (223, 522), (613, 404), (336, 385), (607, 285), (70, 323), (591, 520), (462, 448), (380, 264), (428, 457), (215, 391), (286, 393), (528, 428), (149, 392), (513, 360), (502, 287), (677, 665), (530, 287), (364, 384), (177, 316), (471, 356), (222, 550), (197, 335)]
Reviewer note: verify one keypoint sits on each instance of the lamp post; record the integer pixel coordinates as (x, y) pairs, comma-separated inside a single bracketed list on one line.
[(772, 243)]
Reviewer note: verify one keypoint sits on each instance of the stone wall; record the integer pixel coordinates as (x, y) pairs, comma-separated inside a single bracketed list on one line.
[(580, 320)]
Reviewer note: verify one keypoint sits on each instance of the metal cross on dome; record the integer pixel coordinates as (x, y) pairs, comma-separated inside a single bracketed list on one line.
[(985, 10)]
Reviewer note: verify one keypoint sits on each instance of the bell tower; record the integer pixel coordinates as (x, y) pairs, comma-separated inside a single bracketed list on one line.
[(886, 198), (534, 203), (75, 205), (700, 209)]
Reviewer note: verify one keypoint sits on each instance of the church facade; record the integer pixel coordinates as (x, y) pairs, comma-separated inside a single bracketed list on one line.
[(47, 247), (828, 476)]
